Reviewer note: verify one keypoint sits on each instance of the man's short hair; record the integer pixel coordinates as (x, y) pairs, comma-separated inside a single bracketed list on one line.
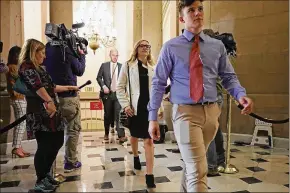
[(185, 3), (113, 50)]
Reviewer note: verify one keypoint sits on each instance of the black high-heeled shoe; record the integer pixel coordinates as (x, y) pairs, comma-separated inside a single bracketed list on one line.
[(150, 181), (137, 164)]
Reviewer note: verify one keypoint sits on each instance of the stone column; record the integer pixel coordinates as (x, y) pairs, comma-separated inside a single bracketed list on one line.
[(45, 11), (61, 12), (11, 31), (11, 26), (137, 21), (152, 25), (177, 23), (11, 34)]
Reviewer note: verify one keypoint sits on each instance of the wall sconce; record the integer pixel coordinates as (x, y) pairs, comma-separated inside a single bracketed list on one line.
[(94, 43)]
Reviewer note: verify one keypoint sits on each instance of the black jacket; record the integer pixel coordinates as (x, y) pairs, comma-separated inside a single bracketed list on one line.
[(104, 76), (64, 72)]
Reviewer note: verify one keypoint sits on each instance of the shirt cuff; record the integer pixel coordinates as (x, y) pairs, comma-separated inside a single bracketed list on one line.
[(153, 115), (240, 94)]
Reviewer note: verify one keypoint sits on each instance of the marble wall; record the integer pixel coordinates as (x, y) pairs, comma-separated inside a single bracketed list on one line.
[(261, 30)]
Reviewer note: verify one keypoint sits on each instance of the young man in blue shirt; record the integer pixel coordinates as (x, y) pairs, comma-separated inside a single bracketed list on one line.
[(193, 62)]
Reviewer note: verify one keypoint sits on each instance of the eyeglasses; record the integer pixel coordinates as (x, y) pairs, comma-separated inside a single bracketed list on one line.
[(144, 46)]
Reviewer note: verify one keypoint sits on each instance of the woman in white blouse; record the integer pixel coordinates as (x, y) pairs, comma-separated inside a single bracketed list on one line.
[(140, 72)]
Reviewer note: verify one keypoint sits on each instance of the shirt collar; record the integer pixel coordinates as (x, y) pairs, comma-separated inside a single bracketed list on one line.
[(189, 36)]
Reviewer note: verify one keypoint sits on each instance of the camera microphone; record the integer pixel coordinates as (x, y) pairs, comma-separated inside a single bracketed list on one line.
[(87, 83), (78, 25)]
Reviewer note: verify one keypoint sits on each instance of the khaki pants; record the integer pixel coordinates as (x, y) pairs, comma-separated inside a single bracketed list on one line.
[(70, 108), (195, 127)]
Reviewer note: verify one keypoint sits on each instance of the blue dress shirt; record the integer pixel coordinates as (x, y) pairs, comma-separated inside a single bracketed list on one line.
[(173, 63)]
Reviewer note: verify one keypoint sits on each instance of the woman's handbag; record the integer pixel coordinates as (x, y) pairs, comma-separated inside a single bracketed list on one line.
[(21, 88), (163, 130), (124, 118)]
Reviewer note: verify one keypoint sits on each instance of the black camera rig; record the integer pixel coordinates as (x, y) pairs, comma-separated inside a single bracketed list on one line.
[(59, 35), (226, 38)]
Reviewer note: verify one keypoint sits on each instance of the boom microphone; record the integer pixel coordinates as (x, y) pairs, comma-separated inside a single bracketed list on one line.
[(87, 83), (78, 25)]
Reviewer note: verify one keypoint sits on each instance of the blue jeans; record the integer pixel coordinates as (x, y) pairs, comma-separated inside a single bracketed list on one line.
[(216, 152)]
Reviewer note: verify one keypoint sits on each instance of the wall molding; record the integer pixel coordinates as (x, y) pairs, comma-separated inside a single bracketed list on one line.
[(165, 6)]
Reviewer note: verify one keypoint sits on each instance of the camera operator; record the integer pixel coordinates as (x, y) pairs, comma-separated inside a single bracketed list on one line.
[(64, 71)]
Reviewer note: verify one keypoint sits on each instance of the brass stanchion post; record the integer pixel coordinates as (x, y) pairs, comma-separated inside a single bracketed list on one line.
[(58, 177), (229, 169)]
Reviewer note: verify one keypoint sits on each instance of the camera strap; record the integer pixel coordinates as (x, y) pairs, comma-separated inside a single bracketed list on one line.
[(62, 44), (58, 43)]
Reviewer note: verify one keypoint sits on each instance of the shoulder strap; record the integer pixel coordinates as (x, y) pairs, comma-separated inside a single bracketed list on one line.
[(129, 85)]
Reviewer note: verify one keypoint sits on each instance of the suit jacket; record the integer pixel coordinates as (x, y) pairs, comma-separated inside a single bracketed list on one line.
[(104, 76), (123, 85)]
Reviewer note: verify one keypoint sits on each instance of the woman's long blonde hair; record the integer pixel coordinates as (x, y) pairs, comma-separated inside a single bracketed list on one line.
[(28, 51), (134, 54)]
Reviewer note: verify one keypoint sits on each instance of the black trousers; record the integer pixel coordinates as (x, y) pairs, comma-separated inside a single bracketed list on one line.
[(48, 145), (112, 110)]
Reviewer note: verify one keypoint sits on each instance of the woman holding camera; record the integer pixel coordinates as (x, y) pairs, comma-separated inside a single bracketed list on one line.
[(141, 71), (44, 120)]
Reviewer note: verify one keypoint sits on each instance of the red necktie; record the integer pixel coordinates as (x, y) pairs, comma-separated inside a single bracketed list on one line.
[(196, 75)]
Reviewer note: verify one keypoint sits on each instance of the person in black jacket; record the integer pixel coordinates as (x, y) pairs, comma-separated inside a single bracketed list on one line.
[(65, 72)]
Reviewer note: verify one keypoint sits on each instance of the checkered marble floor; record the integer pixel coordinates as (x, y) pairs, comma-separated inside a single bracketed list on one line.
[(109, 168)]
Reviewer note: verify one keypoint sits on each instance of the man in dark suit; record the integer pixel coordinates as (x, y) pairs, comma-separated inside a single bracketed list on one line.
[(107, 79)]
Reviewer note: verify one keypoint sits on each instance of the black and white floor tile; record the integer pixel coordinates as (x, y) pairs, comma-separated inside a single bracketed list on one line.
[(109, 168)]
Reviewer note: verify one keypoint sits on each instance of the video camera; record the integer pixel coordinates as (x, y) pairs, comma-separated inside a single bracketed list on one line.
[(226, 38), (60, 36), (228, 41)]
